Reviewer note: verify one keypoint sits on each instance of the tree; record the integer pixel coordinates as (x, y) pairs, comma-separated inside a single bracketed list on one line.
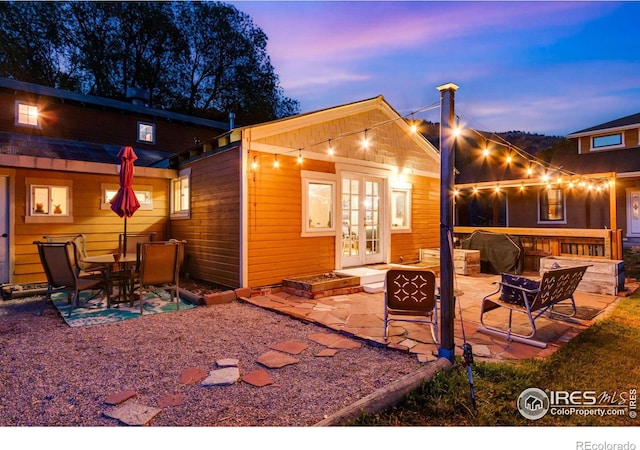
[(226, 66), (199, 58), (29, 47)]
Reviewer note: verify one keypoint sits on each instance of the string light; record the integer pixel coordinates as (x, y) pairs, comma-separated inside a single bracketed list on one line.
[(413, 127), (254, 163), (276, 164), (330, 150), (300, 156), (365, 141)]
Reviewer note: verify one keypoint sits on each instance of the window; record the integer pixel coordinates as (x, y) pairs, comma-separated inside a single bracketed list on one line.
[(49, 201), (608, 141), (318, 194), (146, 132), (552, 205), (144, 194), (26, 114), (400, 209), (180, 204)]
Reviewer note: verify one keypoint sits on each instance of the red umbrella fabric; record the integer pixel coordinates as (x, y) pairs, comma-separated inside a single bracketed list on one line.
[(125, 202)]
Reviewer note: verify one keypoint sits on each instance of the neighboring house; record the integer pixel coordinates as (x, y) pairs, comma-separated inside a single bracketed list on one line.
[(590, 182), (305, 195), (58, 168), (611, 148)]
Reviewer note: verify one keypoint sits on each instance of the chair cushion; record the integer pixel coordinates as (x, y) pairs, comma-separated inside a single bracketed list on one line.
[(514, 296)]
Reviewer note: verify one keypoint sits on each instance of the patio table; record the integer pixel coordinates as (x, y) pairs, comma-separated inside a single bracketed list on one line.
[(107, 261)]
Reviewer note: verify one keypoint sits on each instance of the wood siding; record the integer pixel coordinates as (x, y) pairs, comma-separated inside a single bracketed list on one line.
[(276, 248), (101, 227), (213, 232), (425, 222)]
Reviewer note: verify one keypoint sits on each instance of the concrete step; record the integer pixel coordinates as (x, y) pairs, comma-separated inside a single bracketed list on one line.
[(367, 275), (373, 288)]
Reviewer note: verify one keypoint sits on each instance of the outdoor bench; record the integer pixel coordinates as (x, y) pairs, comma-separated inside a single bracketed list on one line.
[(532, 298)]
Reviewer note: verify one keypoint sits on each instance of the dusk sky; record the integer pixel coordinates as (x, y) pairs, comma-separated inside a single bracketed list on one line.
[(543, 67)]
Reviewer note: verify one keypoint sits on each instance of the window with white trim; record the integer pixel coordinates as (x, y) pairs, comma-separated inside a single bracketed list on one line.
[(400, 209), (180, 196), (27, 115), (319, 204), (49, 200), (144, 194), (551, 206), (146, 132), (607, 141)]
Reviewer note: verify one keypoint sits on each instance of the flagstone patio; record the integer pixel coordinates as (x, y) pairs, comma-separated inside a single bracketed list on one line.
[(361, 315)]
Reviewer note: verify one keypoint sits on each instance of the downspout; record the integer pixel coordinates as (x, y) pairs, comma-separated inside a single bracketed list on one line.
[(244, 209)]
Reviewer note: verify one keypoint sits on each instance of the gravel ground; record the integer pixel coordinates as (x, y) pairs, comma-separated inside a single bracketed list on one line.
[(55, 375)]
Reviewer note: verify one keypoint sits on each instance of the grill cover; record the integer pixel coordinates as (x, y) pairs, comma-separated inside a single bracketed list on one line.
[(499, 253)]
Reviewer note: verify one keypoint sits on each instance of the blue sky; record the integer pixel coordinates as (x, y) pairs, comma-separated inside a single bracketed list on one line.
[(543, 67)]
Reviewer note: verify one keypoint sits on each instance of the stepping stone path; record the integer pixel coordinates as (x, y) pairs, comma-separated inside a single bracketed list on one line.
[(226, 373)]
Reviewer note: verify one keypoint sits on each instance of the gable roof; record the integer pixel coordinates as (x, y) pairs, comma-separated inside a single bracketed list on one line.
[(22, 86), (632, 121), (292, 124)]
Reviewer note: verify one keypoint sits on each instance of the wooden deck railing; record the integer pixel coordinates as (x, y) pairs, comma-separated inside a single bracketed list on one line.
[(540, 242)]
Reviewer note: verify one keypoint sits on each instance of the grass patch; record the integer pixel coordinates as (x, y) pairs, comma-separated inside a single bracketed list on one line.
[(603, 358)]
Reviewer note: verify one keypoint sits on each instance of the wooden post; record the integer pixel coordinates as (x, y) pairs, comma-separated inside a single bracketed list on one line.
[(447, 150)]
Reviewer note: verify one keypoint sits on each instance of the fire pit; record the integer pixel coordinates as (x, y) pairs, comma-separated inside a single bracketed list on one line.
[(322, 285)]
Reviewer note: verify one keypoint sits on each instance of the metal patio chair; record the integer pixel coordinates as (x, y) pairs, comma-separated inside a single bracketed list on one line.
[(159, 268), (411, 294), (60, 265)]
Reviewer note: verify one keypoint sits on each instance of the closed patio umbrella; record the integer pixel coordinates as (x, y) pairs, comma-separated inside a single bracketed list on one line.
[(125, 202)]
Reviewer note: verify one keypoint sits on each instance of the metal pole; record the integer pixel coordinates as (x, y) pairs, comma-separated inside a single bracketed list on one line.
[(447, 147)]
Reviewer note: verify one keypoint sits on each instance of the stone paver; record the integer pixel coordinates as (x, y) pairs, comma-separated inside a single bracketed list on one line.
[(345, 343), (327, 352), (119, 397), (361, 315), (133, 413), (222, 377), (177, 399), (227, 362), (291, 347), (276, 360), (192, 375), (259, 378)]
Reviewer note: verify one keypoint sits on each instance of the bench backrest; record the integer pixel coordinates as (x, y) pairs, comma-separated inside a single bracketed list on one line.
[(557, 285)]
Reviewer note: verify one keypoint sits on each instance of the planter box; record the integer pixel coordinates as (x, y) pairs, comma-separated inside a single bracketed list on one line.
[(465, 262), (605, 276), (324, 285)]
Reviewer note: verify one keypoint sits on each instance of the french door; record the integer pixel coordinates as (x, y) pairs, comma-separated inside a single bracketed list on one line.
[(362, 203)]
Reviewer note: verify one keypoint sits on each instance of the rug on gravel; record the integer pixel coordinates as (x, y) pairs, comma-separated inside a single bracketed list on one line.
[(94, 311)]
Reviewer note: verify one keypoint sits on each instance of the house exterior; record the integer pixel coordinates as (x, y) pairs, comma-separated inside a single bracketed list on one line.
[(583, 199), (611, 148), (58, 169), (306, 195)]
